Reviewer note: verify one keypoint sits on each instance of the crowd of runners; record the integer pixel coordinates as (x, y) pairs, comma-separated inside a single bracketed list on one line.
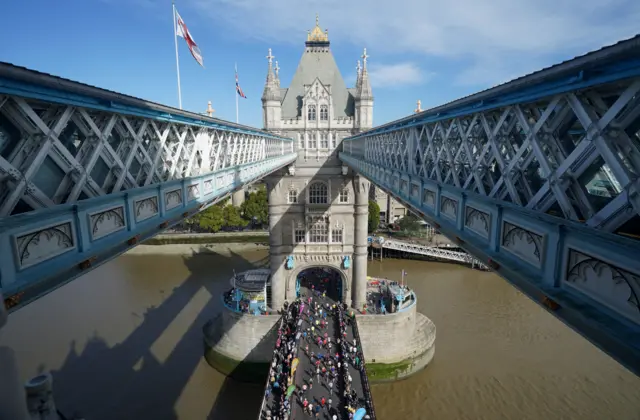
[(318, 368)]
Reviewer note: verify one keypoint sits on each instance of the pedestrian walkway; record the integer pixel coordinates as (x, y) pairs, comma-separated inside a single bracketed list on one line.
[(328, 374)]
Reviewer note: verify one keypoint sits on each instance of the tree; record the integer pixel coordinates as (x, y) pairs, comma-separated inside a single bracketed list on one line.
[(256, 207), (374, 215), (409, 223), (211, 218), (232, 218)]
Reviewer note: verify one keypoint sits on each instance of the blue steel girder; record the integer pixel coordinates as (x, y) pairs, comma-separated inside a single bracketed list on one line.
[(104, 170), (44, 249), (62, 141), (539, 179)]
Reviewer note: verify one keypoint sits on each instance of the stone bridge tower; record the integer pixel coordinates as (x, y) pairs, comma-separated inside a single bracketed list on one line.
[(318, 208)]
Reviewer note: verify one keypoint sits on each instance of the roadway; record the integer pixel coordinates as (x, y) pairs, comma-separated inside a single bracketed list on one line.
[(306, 371)]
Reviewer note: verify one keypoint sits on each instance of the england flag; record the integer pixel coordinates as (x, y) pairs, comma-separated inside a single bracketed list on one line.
[(183, 32)]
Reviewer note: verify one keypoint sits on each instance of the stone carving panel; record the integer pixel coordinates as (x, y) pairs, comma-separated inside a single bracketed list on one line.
[(106, 222), (146, 208), (524, 243), (449, 207), (429, 198), (403, 186), (414, 190), (477, 221), (44, 244), (319, 258), (617, 288), (208, 186), (193, 192), (172, 199)]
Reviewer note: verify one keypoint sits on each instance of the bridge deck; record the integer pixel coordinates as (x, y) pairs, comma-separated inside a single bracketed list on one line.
[(318, 387)]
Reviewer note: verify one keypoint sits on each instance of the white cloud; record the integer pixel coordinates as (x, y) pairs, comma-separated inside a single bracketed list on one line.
[(499, 38), (395, 74)]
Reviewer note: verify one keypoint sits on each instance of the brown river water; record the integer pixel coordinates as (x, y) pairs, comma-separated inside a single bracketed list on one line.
[(124, 342)]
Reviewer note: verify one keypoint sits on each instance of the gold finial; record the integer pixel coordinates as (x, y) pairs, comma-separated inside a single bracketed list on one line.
[(316, 34), (210, 110), (419, 108)]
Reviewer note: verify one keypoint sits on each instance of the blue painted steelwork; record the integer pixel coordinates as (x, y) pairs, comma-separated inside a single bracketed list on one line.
[(530, 88), (487, 171), (47, 248), (31, 84), (551, 280)]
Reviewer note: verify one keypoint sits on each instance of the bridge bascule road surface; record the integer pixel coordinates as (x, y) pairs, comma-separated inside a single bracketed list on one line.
[(347, 393)]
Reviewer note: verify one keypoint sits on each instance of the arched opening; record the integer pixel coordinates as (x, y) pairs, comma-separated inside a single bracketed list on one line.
[(320, 280)]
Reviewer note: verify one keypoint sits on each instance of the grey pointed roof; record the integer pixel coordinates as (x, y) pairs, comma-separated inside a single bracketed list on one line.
[(316, 63)]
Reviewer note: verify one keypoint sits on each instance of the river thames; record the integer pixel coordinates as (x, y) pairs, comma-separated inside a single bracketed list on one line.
[(124, 342)]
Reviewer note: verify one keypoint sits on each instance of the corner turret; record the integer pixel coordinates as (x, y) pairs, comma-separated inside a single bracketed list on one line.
[(364, 96), (271, 100)]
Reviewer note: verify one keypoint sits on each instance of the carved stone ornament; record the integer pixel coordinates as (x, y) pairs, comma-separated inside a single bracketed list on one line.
[(106, 222), (41, 245)]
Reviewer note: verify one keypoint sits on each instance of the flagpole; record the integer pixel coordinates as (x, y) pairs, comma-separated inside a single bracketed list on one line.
[(175, 39), (237, 94)]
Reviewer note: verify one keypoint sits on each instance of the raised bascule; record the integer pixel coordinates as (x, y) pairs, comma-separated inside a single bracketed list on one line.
[(537, 178)]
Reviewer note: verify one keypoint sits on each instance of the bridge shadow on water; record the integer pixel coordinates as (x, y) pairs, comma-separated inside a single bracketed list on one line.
[(128, 381)]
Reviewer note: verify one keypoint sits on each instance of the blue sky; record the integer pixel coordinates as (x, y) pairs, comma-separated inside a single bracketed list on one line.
[(431, 50)]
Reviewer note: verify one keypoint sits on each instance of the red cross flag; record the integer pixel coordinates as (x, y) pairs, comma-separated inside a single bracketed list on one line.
[(183, 32)]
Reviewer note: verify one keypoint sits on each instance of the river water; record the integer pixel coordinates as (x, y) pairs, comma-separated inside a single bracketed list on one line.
[(124, 342)]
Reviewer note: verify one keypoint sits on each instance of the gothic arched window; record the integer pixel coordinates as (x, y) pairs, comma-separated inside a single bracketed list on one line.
[(318, 193), (324, 112), (311, 113), (319, 230)]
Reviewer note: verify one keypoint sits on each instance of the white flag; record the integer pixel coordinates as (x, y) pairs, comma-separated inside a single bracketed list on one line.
[(183, 32)]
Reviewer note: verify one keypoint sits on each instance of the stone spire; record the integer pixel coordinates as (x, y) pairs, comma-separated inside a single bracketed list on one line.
[(277, 70), (419, 107), (271, 91), (358, 71), (363, 89)]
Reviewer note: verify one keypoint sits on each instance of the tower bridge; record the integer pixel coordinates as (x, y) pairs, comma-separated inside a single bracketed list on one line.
[(536, 178)]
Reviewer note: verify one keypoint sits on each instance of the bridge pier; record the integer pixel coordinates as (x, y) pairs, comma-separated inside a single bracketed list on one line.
[(237, 198), (276, 257), (359, 283)]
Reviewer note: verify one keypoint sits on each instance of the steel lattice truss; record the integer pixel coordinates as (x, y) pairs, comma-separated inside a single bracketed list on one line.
[(52, 154), (573, 155)]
